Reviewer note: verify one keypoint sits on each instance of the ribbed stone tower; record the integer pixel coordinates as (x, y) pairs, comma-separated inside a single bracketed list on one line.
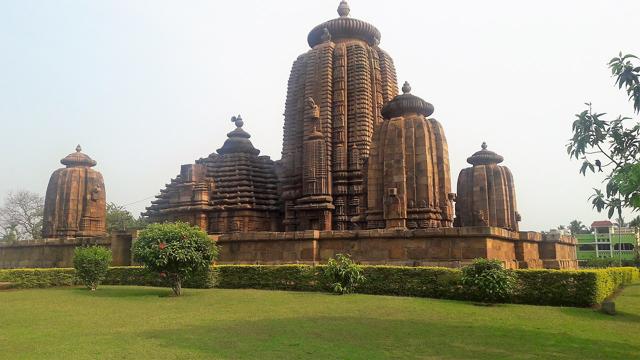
[(234, 190), (348, 78), (486, 193), (408, 180), (75, 203)]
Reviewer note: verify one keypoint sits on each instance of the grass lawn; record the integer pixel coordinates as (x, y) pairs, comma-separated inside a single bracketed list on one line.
[(143, 323)]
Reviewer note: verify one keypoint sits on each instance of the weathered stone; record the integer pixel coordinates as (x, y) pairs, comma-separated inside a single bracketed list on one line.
[(234, 190), (408, 171), (75, 202), (486, 195), (608, 307)]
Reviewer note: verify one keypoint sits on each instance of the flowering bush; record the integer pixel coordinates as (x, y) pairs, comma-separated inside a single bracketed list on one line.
[(91, 264), (175, 251)]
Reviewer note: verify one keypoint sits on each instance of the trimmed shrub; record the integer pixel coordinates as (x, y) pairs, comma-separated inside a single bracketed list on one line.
[(38, 278), (432, 282), (91, 264), (570, 288), (176, 251), (487, 281), (279, 277), (536, 287), (342, 274)]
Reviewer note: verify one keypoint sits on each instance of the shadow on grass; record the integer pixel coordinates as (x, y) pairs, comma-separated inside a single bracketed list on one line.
[(374, 338), (124, 292)]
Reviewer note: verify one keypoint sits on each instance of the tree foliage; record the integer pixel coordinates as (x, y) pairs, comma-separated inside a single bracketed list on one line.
[(175, 251), (119, 218), (577, 227), (612, 146), (342, 274), (21, 216), (91, 264)]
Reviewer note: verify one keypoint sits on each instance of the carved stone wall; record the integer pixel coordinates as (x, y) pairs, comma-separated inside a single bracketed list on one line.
[(75, 202), (448, 247)]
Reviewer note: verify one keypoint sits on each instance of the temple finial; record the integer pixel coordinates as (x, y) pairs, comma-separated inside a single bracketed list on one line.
[(484, 145), (343, 9), (237, 120), (78, 148), (406, 88)]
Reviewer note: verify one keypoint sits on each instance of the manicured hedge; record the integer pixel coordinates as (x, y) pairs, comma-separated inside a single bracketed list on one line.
[(571, 288), (133, 275), (538, 287), (38, 278)]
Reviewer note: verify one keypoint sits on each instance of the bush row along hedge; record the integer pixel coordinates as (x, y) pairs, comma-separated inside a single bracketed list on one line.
[(537, 287)]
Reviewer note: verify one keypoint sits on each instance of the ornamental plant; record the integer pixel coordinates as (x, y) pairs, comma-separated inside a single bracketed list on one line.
[(487, 281), (176, 251), (91, 264), (342, 274)]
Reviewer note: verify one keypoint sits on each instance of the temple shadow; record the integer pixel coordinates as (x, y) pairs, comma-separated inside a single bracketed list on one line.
[(377, 338), (124, 292)]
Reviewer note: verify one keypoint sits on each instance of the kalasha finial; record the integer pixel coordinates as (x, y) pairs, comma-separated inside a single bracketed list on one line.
[(78, 148), (237, 120), (406, 88), (343, 9), (326, 35), (484, 145)]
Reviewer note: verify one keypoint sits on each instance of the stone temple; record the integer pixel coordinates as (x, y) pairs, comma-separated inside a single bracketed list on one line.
[(75, 202), (364, 171)]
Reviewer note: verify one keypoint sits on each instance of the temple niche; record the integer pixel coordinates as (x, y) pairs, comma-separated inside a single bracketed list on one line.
[(486, 193), (75, 202), (409, 181), (233, 190), (349, 78)]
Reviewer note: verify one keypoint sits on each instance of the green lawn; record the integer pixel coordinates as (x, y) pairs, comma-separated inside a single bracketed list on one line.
[(143, 323)]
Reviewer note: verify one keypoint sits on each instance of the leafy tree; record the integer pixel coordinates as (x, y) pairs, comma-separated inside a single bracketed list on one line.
[(635, 222), (577, 227), (612, 146), (343, 274), (21, 216), (175, 251), (119, 218), (91, 264), (10, 236)]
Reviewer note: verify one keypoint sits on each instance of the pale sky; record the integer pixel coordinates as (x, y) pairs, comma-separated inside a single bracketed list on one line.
[(145, 86)]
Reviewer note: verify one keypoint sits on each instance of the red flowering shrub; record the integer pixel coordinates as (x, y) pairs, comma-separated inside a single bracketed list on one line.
[(174, 250)]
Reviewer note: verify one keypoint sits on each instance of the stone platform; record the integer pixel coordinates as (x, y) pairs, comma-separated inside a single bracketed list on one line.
[(447, 247)]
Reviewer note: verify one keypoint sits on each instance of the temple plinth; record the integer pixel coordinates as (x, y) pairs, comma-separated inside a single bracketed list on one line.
[(75, 202)]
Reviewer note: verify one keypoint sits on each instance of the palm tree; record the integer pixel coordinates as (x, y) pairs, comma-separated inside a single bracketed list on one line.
[(620, 222)]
